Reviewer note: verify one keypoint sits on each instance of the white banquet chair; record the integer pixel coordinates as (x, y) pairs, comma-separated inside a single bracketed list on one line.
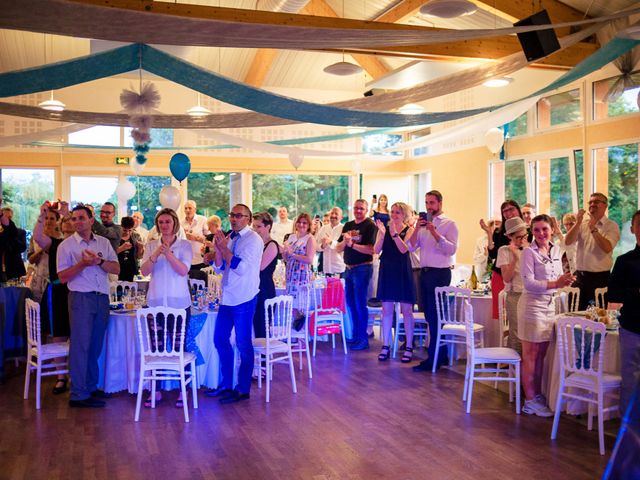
[(572, 298), (196, 285), (120, 289), (420, 328), (161, 336), (600, 300), (303, 300), (502, 316), (276, 348), (488, 356), (39, 356), (451, 322), (581, 350)]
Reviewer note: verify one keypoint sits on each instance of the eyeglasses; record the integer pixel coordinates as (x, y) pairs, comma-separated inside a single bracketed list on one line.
[(508, 209), (521, 237), (237, 215)]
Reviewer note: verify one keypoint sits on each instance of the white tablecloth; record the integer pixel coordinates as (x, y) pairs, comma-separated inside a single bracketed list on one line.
[(120, 359), (551, 374)]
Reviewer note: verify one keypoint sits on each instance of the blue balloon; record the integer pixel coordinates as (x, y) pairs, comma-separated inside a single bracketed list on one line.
[(180, 166)]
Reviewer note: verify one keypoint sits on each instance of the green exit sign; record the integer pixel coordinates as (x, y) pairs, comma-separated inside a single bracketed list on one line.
[(122, 160)]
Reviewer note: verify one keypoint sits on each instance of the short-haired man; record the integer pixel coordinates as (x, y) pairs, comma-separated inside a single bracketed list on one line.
[(528, 212), (624, 287), (596, 236), (108, 228), (139, 227), (437, 239), (238, 256), (327, 238), (196, 231), (84, 262), (357, 240), (13, 242), (283, 227)]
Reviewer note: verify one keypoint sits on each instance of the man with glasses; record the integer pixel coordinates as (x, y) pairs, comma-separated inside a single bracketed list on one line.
[(196, 231), (107, 228), (595, 236), (238, 257)]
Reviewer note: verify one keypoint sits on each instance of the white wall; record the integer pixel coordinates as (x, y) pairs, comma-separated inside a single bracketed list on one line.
[(396, 187)]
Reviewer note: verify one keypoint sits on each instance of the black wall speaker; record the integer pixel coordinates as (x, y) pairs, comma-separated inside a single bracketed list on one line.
[(540, 43)]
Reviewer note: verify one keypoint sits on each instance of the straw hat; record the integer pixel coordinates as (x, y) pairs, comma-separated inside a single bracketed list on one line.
[(514, 225)]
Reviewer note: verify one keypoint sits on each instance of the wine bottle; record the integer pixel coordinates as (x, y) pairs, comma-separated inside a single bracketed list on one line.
[(473, 280)]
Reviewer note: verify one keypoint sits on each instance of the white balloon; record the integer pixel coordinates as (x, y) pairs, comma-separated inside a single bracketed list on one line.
[(136, 167), (170, 197), (494, 139), (296, 159), (125, 190)]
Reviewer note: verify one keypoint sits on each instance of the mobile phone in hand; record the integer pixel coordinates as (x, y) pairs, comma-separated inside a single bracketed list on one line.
[(426, 216)]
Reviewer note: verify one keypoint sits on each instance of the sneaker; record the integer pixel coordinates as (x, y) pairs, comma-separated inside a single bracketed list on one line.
[(541, 399), (533, 407)]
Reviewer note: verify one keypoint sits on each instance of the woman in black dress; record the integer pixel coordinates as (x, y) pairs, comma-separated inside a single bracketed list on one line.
[(395, 281), (130, 250), (54, 309), (262, 223)]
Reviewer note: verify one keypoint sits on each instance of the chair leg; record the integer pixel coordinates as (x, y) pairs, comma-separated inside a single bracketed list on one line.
[(315, 339), (27, 379), (601, 420), (38, 383), (194, 384), (183, 390), (309, 361), (466, 381), (435, 359), (259, 363), (495, 384), (518, 388), (590, 416), (140, 393), (470, 391), (556, 417), (344, 339), (333, 341), (268, 377), (293, 373)]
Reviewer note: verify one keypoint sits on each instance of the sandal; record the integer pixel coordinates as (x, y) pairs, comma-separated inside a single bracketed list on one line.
[(147, 402), (57, 390), (384, 353), (407, 356)]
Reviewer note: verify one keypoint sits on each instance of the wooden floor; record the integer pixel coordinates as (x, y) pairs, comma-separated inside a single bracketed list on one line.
[(356, 419)]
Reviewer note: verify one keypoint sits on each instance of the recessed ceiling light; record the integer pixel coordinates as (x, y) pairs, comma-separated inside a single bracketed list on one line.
[(448, 8), (498, 82)]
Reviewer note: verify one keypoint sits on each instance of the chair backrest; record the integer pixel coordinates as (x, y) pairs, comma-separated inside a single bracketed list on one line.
[(580, 344), (450, 304), (600, 300), (32, 314), (278, 315), (196, 284), (161, 331), (467, 314), (502, 310), (573, 298), (332, 296), (119, 289), (560, 302)]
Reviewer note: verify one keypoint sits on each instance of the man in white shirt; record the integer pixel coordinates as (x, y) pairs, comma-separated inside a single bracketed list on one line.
[(196, 230), (138, 227), (438, 242), (84, 262), (238, 257), (596, 237), (328, 235), (283, 227), (528, 212)]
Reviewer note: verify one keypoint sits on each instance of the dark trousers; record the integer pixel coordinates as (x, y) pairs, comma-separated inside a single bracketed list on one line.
[(587, 282), (88, 315), (431, 278), (356, 282), (239, 317)]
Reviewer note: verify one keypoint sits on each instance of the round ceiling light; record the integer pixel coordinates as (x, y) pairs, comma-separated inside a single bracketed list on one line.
[(52, 104), (448, 8), (411, 109), (198, 111), (342, 69), (498, 82)]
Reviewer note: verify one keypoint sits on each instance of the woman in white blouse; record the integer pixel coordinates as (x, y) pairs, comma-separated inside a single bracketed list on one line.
[(541, 269), (168, 260)]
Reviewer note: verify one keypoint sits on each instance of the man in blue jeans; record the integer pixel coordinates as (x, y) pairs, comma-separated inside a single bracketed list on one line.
[(357, 240), (437, 238), (238, 256)]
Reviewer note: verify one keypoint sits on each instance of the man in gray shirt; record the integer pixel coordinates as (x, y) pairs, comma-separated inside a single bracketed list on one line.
[(107, 228)]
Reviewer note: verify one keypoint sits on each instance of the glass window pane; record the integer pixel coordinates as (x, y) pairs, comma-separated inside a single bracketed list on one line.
[(375, 143), (578, 156), (211, 192), (24, 190), (147, 197), (560, 189), (100, 135), (93, 190), (419, 151), (625, 103), (515, 182), (160, 137), (559, 109), (517, 126), (317, 194)]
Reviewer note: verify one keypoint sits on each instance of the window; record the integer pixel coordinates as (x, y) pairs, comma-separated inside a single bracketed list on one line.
[(160, 137), (616, 175), (517, 127), (93, 190), (24, 190), (560, 187), (211, 193), (559, 109), (99, 136), (624, 104), (515, 181), (578, 158), (419, 151), (316, 194), (147, 197), (375, 143)]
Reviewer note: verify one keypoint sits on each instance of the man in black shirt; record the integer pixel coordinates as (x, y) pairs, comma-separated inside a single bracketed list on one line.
[(357, 240), (624, 287)]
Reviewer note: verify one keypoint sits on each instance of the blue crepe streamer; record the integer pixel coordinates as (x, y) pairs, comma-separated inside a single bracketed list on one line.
[(195, 327)]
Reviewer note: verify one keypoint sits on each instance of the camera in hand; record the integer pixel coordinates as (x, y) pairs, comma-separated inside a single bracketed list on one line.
[(426, 216), (55, 205)]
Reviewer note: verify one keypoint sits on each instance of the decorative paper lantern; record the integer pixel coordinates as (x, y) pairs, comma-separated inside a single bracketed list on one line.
[(170, 197), (180, 166), (136, 167), (125, 190), (296, 159), (494, 139)]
